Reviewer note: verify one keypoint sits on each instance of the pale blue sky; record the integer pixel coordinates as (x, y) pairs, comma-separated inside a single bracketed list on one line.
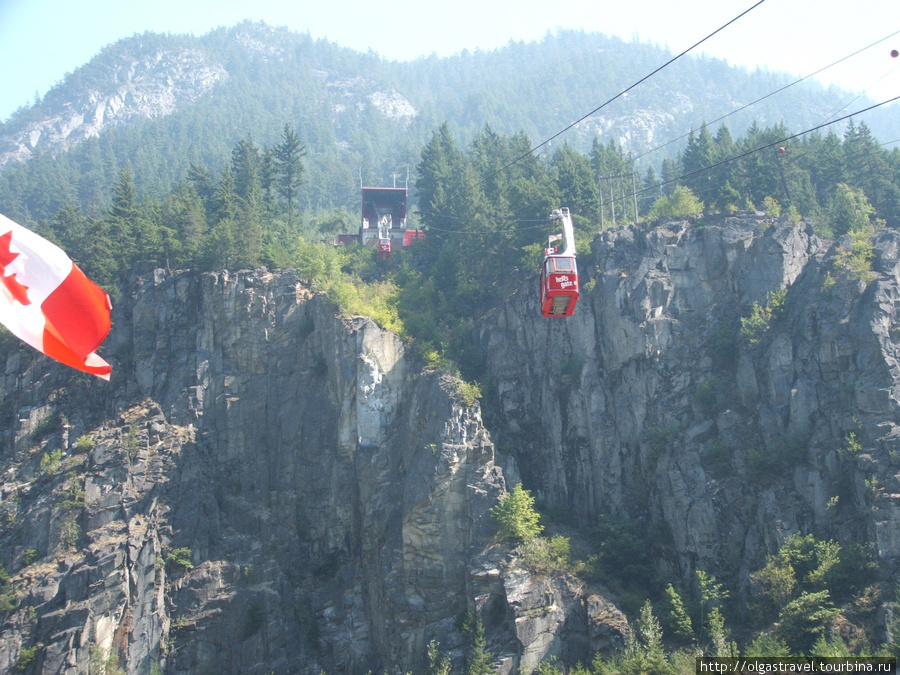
[(42, 40)]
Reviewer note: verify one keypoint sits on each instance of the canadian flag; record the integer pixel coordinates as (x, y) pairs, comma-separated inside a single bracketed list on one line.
[(48, 302)]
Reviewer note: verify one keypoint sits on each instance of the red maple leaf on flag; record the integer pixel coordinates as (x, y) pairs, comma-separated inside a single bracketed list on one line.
[(16, 289)]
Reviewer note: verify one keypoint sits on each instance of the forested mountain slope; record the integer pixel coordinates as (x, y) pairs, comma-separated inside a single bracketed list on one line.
[(162, 102)]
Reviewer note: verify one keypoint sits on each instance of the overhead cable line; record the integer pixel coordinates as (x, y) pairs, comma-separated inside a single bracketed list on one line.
[(625, 91), (699, 171), (777, 91), (768, 145), (863, 93)]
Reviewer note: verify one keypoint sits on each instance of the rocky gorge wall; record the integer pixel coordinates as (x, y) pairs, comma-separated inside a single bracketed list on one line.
[(656, 402), (262, 487), (265, 486)]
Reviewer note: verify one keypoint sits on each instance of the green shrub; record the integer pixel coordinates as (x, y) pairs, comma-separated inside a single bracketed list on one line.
[(754, 327), (681, 621), (858, 258), (104, 661), (26, 658), (549, 556), (69, 532), (376, 301), (516, 517), (73, 495), (469, 392), (806, 618), (707, 397), (7, 593), (641, 543), (180, 557), (680, 204), (50, 462), (764, 463), (45, 427), (84, 444)]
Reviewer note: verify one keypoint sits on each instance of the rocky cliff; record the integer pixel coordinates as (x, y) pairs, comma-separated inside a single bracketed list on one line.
[(147, 83), (265, 486), (666, 398)]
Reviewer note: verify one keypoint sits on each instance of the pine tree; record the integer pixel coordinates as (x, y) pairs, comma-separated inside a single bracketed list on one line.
[(438, 664), (577, 186), (245, 165), (289, 168), (480, 660), (245, 161), (134, 236), (680, 619), (695, 161), (202, 181), (849, 210), (711, 594)]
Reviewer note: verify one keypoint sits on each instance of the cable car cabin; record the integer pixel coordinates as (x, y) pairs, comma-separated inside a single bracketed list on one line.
[(559, 286), (384, 249)]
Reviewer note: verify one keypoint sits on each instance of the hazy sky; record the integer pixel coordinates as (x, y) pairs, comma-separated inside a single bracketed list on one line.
[(42, 40)]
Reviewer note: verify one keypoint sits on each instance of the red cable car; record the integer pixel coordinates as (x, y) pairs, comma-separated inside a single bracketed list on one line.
[(559, 274)]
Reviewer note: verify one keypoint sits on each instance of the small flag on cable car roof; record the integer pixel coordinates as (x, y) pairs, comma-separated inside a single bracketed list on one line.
[(49, 303)]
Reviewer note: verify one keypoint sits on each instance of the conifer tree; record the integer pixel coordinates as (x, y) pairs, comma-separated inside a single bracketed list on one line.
[(479, 662), (289, 168), (695, 161), (680, 619)]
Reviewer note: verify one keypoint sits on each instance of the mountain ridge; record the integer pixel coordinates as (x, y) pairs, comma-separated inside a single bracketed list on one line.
[(199, 96)]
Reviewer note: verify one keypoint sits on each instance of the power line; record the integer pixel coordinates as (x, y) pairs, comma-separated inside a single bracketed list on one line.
[(625, 91), (777, 91), (691, 173), (769, 145)]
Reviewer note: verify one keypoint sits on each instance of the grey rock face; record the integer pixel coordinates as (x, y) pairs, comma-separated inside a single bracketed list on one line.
[(266, 486), (658, 401), (147, 85), (287, 496)]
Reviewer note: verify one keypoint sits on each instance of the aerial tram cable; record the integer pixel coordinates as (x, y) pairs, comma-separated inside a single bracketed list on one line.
[(777, 91), (543, 222), (744, 107), (626, 90), (860, 95), (658, 185), (547, 141), (780, 142), (773, 144)]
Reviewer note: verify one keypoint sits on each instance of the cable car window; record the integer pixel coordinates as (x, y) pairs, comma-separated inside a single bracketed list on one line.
[(563, 264)]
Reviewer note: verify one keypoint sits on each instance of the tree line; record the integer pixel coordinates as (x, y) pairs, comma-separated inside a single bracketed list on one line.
[(485, 207), (246, 216)]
